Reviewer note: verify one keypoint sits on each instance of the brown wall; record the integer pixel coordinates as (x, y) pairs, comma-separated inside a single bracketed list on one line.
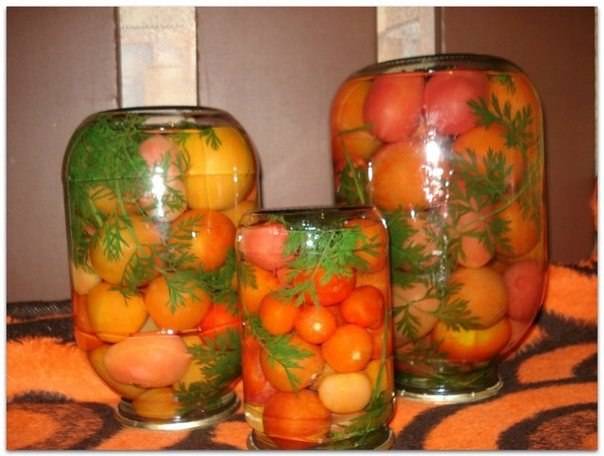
[(61, 66), (556, 48), (276, 70)]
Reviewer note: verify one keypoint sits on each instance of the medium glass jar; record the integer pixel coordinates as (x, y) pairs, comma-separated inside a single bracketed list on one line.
[(153, 199), (450, 149), (317, 348)]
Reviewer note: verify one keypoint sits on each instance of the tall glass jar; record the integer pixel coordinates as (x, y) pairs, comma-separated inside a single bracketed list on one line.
[(450, 149), (153, 197), (317, 348)]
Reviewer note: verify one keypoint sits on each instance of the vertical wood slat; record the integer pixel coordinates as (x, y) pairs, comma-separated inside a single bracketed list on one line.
[(158, 49), (405, 32)]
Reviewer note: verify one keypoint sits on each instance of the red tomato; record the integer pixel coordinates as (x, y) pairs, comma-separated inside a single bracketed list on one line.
[(446, 100), (332, 292), (296, 420), (524, 285), (364, 307), (219, 316), (263, 245), (256, 388), (393, 105)]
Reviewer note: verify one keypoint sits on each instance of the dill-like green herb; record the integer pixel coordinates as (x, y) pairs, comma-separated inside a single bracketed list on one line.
[(353, 184), (330, 252), (279, 349), (219, 361)]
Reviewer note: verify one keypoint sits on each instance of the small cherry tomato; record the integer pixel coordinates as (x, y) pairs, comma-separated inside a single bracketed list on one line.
[(278, 314), (315, 324), (364, 307), (349, 349)]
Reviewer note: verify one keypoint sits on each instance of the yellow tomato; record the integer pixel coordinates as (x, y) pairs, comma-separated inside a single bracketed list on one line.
[(218, 178), (113, 316)]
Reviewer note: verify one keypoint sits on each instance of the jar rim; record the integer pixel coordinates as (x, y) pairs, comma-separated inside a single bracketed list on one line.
[(444, 61), (301, 210), (167, 110)]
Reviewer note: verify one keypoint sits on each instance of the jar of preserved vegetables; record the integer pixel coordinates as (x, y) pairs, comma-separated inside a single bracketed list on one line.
[(317, 347), (153, 199), (450, 149)]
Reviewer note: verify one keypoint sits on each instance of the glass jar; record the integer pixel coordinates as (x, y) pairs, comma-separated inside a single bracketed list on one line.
[(317, 348), (450, 149), (153, 199)]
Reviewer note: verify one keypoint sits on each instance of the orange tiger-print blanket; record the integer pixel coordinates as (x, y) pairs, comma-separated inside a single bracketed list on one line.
[(549, 398)]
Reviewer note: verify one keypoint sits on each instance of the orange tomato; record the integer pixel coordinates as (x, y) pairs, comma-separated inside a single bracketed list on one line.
[(114, 316), (347, 124), (473, 253), (295, 420), (141, 239), (401, 162), (472, 345), (349, 349), (251, 294), (79, 305), (86, 341), (157, 403), (364, 307), (393, 105), (382, 342), (332, 291), (302, 375), (236, 212), (263, 245), (218, 317), (381, 374), (379, 280), (373, 247), (315, 324), (483, 291), (186, 313), (517, 91), (256, 388), (522, 232), (446, 100), (207, 235), (83, 278), (492, 139), (277, 314)]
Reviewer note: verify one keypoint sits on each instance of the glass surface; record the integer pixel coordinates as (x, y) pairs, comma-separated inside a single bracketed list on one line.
[(153, 198), (317, 348), (450, 149)]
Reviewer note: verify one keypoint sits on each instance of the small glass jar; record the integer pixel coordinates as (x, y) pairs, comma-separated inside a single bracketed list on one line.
[(450, 149), (153, 198), (317, 348)]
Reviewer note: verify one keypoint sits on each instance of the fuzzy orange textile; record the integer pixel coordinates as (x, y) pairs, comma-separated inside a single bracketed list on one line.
[(549, 398)]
